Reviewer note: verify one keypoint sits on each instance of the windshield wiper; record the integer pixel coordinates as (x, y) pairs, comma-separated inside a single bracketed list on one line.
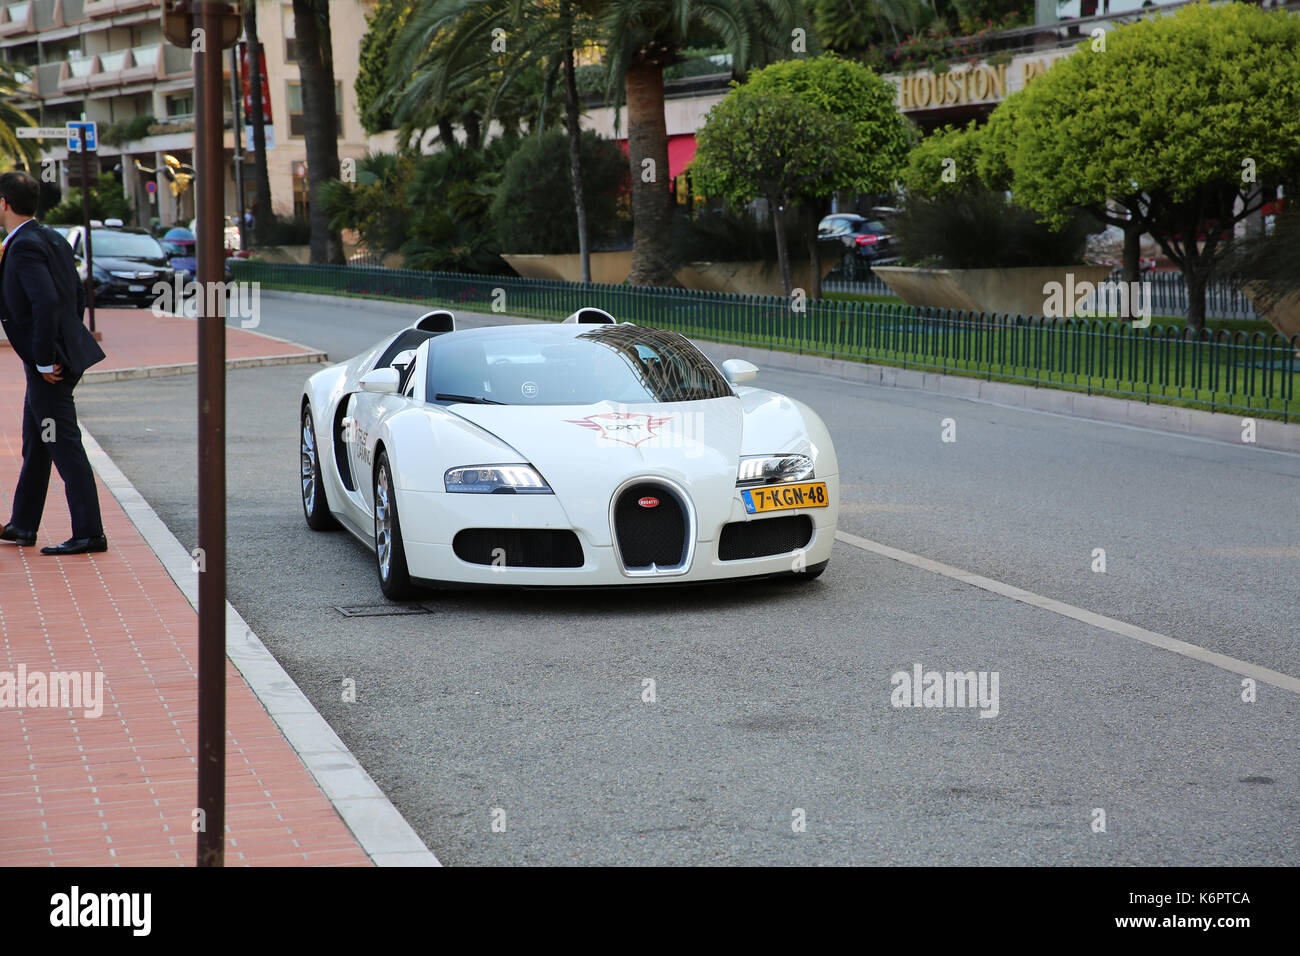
[(471, 399)]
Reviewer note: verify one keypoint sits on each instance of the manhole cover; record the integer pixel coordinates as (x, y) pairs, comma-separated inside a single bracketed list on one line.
[(380, 610)]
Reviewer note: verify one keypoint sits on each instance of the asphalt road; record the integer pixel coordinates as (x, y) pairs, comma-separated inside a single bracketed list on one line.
[(776, 698)]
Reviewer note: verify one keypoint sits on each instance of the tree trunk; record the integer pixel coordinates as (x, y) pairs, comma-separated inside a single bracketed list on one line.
[(473, 130), (263, 211), (1132, 250), (575, 146), (320, 121), (782, 253), (647, 139), (814, 260), (1196, 279), (446, 132)]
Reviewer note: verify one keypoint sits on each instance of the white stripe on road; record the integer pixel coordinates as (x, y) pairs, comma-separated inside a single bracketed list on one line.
[(1164, 642)]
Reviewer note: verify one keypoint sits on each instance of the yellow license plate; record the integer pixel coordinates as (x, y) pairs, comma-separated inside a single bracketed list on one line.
[(810, 494)]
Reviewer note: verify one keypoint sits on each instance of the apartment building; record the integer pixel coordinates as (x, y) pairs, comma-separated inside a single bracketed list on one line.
[(107, 61)]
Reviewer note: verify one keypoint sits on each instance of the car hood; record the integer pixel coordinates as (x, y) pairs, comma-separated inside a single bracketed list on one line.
[(118, 264), (585, 452)]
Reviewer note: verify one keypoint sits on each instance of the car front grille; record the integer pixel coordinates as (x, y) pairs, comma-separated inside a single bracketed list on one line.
[(651, 536), (764, 537), (518, 548)]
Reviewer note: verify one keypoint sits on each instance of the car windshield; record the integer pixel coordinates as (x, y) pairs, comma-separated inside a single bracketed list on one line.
[(131, 245), (878, 228), (522, 365)]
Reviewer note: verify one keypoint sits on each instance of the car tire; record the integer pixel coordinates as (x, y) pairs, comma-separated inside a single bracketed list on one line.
[(390, 554), (849, 266), (315, 506)]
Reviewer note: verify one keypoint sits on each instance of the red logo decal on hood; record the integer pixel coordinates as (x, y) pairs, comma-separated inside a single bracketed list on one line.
[(625, 427)]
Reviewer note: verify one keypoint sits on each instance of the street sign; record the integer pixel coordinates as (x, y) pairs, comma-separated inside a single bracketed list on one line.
[(74, 140), (151, 187), (42, 132)]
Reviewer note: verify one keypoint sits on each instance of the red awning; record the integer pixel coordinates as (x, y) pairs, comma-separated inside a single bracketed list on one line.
[(681, 150)]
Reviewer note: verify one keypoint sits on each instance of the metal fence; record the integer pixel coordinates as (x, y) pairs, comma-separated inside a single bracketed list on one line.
[(1168, 294), (1222, 371)]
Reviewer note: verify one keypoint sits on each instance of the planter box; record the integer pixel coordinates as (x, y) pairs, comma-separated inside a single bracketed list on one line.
[(746, 278), (608, 268), (1285, 314), (1011, 291)]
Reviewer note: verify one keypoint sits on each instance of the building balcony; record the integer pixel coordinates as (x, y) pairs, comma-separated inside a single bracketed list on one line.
[(17, 18), (118, 68), (95, 9)]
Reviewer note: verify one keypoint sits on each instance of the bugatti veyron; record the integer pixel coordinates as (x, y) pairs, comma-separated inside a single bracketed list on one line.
[(585, 453)]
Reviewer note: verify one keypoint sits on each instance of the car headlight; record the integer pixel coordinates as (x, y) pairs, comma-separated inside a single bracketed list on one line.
[(496, 479), (773, 469)]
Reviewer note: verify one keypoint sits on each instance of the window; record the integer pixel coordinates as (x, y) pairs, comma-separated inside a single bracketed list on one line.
[(180, 106), (293, 94), (290, 37)]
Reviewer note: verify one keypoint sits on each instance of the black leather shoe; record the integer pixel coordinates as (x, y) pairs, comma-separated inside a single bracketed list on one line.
[(79, 546), (10, 533)]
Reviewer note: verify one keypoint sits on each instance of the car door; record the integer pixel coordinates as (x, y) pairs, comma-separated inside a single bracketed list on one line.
[(365, 414)]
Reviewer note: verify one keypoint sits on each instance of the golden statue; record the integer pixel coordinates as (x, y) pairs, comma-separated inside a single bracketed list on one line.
[(179, 175)]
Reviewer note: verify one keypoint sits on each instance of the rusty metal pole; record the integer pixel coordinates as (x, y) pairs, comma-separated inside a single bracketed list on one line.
[(210, 174), (85, 210)]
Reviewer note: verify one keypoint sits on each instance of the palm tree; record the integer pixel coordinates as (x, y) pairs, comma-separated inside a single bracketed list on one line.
[(262, 208), (15, 151), (311, 19)]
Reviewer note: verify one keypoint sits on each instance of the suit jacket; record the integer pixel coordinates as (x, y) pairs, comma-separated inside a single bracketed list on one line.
[(42, 300)]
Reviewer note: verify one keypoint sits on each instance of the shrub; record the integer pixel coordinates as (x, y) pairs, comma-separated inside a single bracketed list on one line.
[(533, 209), (980, 229)]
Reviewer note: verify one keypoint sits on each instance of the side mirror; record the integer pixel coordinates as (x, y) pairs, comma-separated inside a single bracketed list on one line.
[(738, 371), (383, 380)]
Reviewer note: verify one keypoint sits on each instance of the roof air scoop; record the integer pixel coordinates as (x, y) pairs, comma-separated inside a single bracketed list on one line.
[(592, 317), (437, 321)]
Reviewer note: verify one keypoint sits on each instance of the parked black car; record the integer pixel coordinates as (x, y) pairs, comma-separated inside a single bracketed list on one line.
[(128, 263), (861, 243)]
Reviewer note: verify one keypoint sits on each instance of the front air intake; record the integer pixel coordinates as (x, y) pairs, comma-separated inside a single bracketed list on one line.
[(652, 528), (764, 537), (518, 547)]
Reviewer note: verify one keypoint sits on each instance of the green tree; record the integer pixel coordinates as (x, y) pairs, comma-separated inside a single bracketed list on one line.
[(382, 27), (106, 202), (774, 146), (879, 137), (1187, 121), (945, 163)]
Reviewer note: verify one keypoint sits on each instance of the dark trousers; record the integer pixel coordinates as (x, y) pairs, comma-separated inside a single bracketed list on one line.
[(51, 435)]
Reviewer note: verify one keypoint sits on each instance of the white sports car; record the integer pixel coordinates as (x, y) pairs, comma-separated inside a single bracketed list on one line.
[(585, 453)]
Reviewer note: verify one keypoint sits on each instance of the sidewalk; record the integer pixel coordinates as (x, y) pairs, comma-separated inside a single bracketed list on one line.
[(120, 788)]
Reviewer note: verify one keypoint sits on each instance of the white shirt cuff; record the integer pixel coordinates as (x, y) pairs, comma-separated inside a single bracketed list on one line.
[(45, 368)]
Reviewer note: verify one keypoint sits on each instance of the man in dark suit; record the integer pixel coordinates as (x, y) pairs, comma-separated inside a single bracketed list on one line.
[(41, 303)]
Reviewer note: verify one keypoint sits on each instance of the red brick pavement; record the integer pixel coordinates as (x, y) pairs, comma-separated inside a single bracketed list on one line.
[(120, 788)]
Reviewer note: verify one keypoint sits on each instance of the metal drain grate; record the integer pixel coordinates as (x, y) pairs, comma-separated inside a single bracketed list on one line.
[(381, 610)]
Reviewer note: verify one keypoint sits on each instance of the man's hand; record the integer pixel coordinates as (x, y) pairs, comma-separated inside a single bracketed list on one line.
[(54, 376)]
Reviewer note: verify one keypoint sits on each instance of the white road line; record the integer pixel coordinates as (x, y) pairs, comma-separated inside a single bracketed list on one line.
[(1162, 641)]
